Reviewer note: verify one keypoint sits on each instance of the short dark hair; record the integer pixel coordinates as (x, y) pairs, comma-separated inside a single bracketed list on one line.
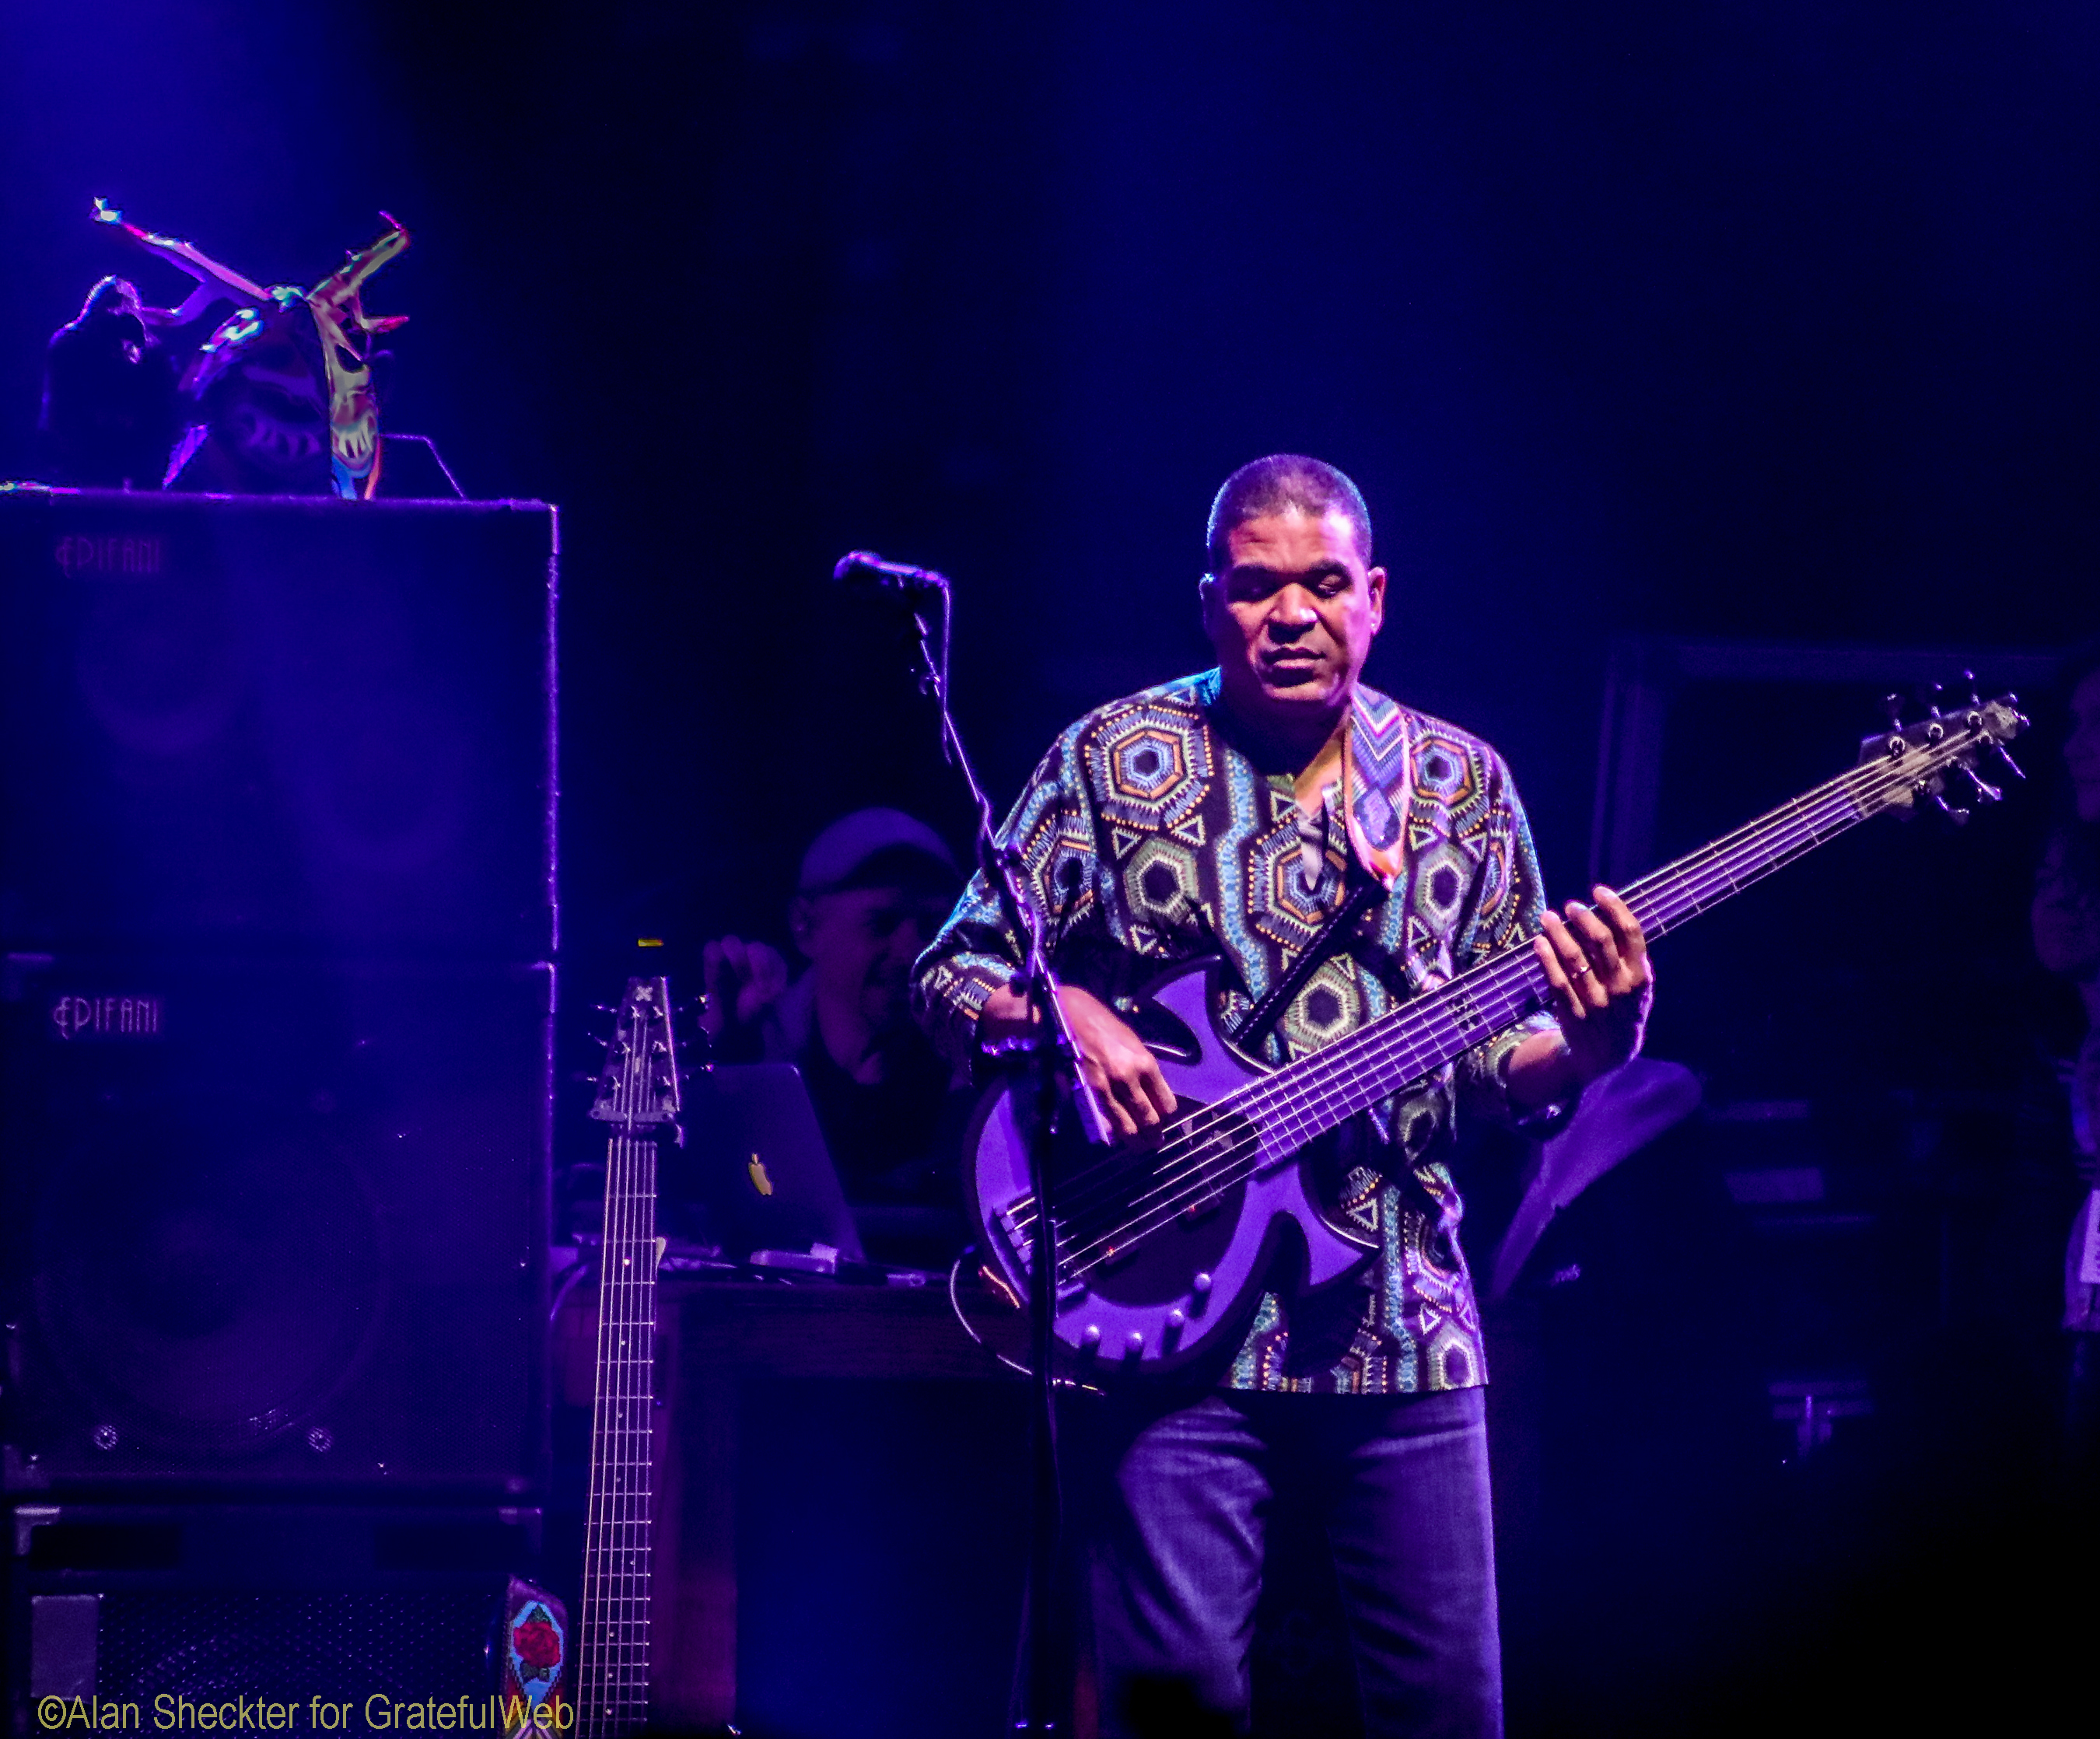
[(1284, 480)]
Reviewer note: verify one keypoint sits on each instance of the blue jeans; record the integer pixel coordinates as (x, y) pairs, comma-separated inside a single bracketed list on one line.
[(1401, 1481)]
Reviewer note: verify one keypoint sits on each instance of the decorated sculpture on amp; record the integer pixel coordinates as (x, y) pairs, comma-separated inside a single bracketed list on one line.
[(278, 400)]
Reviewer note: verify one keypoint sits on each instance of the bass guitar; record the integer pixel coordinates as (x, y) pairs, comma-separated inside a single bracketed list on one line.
[(1162, 1248), (638, 1094)]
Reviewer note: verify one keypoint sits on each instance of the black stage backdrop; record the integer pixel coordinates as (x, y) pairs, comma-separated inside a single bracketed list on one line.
[(1774, 323)]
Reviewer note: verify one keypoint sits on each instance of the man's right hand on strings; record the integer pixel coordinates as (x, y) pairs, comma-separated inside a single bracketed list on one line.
[(1117, 1064)]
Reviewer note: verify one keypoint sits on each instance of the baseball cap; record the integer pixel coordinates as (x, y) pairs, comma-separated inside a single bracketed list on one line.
[(846, 854)]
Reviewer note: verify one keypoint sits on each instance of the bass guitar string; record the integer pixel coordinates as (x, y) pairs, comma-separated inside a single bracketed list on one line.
[(613, 1661), (637, 1539), (601, 1590), (596, 1591), (1227, 1174), (1856, 786), (1105, 1170), (1433, 1007), (612, 1626), (1353, 1082), (1299, 1096), (1304, 1104), (1206, 1122), (638, 1293), (1937, 757), (1859, 778), (611, 1629)]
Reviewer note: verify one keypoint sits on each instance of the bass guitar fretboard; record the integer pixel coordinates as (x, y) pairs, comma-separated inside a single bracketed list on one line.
[(639, 1094)]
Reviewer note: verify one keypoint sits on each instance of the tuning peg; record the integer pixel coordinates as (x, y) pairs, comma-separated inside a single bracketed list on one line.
[(2012, 766), (1893, 705), (1985, 793), (1975, 699), (1959, 817)]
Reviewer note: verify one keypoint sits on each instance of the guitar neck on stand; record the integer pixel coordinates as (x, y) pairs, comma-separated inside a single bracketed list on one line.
[(638, 1095)]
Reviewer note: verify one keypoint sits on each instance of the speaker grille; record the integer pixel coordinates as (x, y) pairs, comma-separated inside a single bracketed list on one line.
[(205, 1291), (408, 1645)]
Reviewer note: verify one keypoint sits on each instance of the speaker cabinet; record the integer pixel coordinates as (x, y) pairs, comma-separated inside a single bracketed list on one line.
[(274, 1225), (258, 726), (148, 1608)]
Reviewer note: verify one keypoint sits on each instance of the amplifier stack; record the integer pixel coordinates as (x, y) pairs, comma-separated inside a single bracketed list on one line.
[(276, 927)]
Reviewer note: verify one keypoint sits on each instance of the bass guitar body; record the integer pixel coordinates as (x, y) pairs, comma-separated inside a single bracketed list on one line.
[(1164, 1298)]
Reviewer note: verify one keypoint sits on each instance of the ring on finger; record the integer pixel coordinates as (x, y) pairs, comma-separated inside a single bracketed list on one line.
[(1582, 971)]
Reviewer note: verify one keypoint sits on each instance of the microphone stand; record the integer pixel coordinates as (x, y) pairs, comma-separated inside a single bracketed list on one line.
[(1056, 1057)]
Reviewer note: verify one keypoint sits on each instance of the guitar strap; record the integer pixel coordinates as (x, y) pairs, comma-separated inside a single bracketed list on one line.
[(1367, 891), (1374, 757)]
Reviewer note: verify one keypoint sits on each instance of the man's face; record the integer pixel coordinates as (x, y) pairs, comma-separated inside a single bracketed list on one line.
[(861, 943), (1292, 618), (2081, 748)]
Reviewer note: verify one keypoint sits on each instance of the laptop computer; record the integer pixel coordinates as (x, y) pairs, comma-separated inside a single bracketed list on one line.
[(756, 1161)]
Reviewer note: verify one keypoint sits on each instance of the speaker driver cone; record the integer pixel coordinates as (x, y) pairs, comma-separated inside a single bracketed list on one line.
[(206, 1292)]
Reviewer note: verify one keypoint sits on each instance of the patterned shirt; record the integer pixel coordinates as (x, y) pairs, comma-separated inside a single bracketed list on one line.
[(1151, 837)]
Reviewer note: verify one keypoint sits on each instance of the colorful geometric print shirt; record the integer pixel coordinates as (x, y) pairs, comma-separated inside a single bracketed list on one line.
[(1151, 836)]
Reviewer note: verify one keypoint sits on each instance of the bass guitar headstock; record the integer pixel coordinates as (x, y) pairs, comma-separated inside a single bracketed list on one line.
[(638, 1086), (1912, 763)]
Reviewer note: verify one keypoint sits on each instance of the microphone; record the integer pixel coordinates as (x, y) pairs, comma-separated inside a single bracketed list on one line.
[(865, 568)]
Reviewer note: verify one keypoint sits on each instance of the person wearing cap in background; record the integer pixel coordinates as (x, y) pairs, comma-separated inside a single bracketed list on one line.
[(875, 886)]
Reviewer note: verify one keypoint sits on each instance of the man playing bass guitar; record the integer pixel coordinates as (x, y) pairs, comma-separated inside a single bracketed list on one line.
[(1234, 813)]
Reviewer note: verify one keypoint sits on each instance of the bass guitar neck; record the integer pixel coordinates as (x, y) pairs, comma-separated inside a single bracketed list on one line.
[(638, 1095)]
